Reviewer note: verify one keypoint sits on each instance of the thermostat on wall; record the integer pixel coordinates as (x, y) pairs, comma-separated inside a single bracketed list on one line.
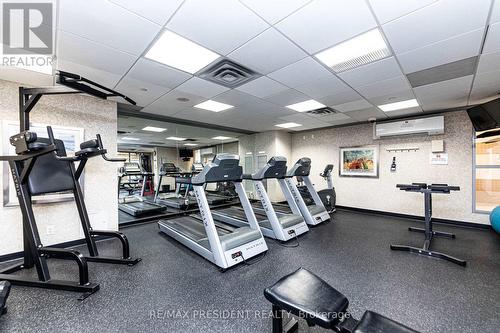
[(437, 146)]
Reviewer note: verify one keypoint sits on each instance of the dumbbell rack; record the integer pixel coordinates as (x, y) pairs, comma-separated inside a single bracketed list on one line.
[(428, 231)]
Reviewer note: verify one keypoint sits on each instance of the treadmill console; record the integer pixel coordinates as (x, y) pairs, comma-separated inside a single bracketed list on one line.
[(301, 168)]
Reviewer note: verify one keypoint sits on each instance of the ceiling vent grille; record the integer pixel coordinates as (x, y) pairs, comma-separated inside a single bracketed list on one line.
[(156, 143), (228, 74), (122, 132), (322, 112), (191, 140)]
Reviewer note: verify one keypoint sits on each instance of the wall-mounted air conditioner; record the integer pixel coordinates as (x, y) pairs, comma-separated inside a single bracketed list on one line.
[(429, 126)]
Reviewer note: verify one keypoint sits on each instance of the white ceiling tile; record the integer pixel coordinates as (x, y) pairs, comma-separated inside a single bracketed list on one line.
[(304, 120), (438, 21), (158, 11), (364, 115), (77, 51), (287, 97), (495, 12), (380, 70), (492, 42), (326, 86), (104, 78), (220, 25), (352, 106), (299, 73), (200, 87), (312, 30), (276, 10), (486, 85), (382, 88), (108, 24), (446, 94), (135, 90), (338, 119), (404, 112), (489, 62), (169, 104), (155, 73), (387, 10), (456, 48), (262, 87), (397, 96), (344, 97), (237, 98), (268, 52)]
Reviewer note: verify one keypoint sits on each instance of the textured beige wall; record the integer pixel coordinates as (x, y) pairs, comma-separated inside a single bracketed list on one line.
[(322, 146), (95, 116)]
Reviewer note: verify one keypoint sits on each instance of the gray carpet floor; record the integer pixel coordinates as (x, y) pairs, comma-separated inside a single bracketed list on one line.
[(175, 290)]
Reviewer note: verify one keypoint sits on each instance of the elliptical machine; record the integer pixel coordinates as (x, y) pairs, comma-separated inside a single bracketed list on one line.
[(327, 196)]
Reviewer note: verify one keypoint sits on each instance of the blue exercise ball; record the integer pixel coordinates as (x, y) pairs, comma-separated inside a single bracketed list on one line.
[(495, 219)]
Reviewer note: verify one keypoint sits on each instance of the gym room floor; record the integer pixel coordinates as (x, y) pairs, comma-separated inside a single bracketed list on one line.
[(351, 253)]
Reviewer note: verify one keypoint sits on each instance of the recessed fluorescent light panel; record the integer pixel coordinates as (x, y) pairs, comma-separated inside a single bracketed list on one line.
[(178, 52), (355, 52), (154, 129), (221, 138), (398, 105), (175, 138), (213, 106), (288, 125), (306, 106), (190, 144), (127, 138)]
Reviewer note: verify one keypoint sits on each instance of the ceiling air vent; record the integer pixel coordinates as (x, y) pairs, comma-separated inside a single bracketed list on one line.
[(322, 112), (190, 140), (156, 143), (122, 132), (228, 74)]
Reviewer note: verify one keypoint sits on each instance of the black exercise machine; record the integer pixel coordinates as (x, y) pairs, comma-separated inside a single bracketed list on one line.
[(307, 296), (4, 294), (41, 166), (136, 205), (428, 231)]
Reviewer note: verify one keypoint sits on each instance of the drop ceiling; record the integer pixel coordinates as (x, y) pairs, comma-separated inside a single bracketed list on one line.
[(197, 137), (106, 41)]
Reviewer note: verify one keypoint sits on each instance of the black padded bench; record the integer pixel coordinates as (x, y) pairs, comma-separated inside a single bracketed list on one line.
[(4, 294), (309, 297)]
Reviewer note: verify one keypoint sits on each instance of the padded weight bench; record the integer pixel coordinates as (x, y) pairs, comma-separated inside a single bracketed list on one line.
[(309, 297), (4, 294)]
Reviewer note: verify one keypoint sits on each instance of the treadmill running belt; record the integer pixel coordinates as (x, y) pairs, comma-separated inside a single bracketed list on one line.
[(238, 213)]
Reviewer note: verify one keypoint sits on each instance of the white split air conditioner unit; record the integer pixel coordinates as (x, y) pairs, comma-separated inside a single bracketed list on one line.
[(429, 126)]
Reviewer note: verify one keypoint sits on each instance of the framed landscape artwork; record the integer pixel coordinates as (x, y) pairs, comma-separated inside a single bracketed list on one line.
[(359, 161)]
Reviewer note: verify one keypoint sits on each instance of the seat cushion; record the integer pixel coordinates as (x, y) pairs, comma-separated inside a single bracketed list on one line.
[(308, 296), (372, 322)]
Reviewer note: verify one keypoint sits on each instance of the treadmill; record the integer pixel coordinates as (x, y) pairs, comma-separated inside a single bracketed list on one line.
[(176, 200), (222, 245), (136, 205), (212, 199), (316, 212), (282, 227)]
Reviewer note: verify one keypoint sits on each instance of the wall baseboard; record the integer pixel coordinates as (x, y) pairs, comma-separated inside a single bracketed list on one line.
[(419, 218), (77, 242)]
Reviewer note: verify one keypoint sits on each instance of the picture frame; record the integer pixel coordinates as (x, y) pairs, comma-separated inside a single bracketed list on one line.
[(359, 161), (72, 138)]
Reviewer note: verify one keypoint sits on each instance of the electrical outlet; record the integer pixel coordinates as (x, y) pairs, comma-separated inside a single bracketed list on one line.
[(51, 229)]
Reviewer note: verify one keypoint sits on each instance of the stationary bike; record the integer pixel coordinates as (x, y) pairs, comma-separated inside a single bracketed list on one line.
[(328, 196)]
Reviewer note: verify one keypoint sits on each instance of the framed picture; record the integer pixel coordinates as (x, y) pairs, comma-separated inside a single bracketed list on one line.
[(71, 136), (359, 161)]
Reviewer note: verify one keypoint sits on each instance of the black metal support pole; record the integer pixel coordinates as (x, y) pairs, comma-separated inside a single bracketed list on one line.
[(277, 319)]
